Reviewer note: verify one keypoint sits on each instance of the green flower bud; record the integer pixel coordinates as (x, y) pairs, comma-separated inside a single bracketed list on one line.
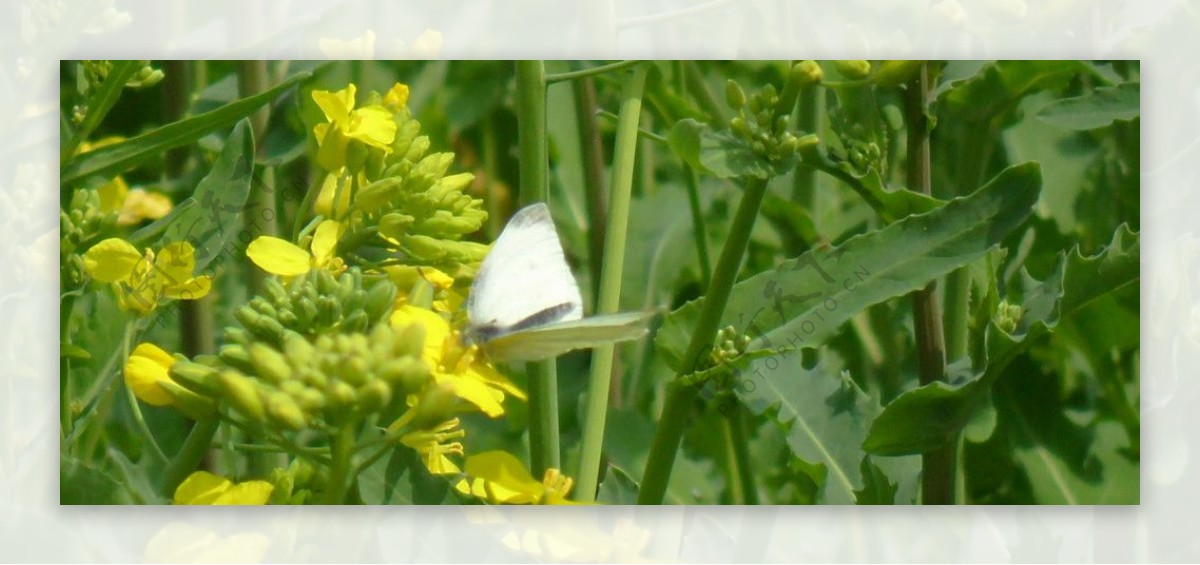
[(191, 404), (339, 393), (195, 376), (806, 73), (395, 225), (243, 395), (737, 125), (378, 194), (284, 410), (269, 364), (380, 300), (853, 70), (374, 395), (310, 399), (417, 150), (237, 357), (356, 322), (896, 73), (734, 95), (283, 482), (298, 350), (405, 134)]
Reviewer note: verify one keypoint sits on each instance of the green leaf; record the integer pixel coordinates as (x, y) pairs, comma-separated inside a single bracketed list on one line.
[(997, 89), (627, 437), (389, 480), (80, 483), (1095, 109), (209, 218), (719, 153), (100, 102), (73, 351), (114, 159), (803, 301), (931, 416), (825, 417), (877, 489), (618, 488)]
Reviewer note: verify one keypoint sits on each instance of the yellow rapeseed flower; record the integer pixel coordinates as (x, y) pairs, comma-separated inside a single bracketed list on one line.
[(372, 125), (459, 367), (434, 446), (203, 487), (132, 205), (501, 478), (286, 259), (142, 280)]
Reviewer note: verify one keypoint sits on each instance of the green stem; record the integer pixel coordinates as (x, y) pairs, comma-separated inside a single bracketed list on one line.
[(592, 149), (937, 475), (624, 156), (805, 178), (572, 75), (739, 437), (65, 306), (101, 100), (704, 97), (737, 491), (190, 455), (670, 427), (342, 446), (534, 172), (141, 423)]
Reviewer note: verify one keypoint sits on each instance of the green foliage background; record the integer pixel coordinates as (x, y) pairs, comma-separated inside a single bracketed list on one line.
[(1041, 250)]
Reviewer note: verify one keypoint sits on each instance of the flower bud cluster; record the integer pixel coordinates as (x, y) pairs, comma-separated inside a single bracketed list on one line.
[(80, 223), (304, 384), (759, 124), (316, 303)]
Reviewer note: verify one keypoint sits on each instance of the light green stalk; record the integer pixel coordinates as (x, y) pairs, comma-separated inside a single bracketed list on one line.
[(609, 299), (543, 375)]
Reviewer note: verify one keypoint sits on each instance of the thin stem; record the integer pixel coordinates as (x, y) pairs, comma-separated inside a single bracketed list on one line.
[(342, 445), (624, 156), (704, 97), (670, 427), (190, 455), (592, 149), (66, 305), (740, 436), (534, 171), (140, 421), (937, 476), (572, 75), (805, 178), (649, 135)]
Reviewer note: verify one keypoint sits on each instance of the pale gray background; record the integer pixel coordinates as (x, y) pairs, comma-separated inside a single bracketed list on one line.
[(36, 33)]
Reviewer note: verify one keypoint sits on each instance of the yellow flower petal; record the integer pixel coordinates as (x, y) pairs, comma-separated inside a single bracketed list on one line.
[(279, 257), (396, 98), (145, 368), (111, 260), (474, 391), (175, 263), (112, 195), (494, 378), (437, 329), (373, 125), (325, 240), (191, 289), (336, 105), (505, 479), (141, 205), (247, 493), (201, 487)]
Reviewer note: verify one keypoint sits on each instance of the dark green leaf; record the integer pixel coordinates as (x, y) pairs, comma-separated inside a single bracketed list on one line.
[(929, 417), (1096, 109), (824, 414), (114, 159), (877, 489), (388, 481), (618, 488), (209, 218), (996, 90), (80, 483), (804, 300)]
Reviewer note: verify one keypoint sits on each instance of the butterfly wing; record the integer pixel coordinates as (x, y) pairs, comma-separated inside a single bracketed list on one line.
[(552, 340), (524, 273)]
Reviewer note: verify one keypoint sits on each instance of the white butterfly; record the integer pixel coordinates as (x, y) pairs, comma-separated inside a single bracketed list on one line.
[(525, 304)]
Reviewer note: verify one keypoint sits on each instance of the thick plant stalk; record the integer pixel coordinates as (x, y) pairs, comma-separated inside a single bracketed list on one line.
[(190, 455), (609, 298), (674, 417), (543, 375), (937, 467)]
